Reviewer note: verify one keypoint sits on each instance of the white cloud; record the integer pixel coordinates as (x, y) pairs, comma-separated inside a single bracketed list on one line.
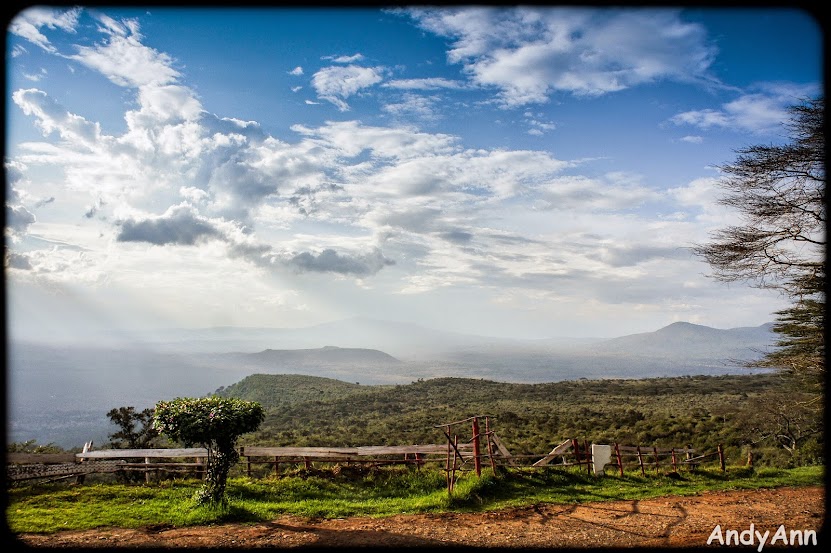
[(35, 77), (335, 84), (755, 112), (529, 53), (296, 71), (412, 105), (28, 23), (51, 117), (344, 59), (124, 60), (432, 83)]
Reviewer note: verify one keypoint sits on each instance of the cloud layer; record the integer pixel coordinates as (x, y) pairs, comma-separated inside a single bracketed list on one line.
[(390, 206)]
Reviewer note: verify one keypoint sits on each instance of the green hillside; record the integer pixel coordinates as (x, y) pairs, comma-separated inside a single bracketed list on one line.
[(274, 390), (529, 418)]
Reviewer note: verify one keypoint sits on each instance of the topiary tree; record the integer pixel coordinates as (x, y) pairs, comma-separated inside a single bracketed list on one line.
[(214, 423)]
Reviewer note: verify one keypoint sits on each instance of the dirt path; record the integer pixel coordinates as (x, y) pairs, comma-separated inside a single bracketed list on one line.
[(661, 522)]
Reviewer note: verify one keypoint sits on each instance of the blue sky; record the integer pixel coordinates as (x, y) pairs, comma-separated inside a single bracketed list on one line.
[(522, 172)]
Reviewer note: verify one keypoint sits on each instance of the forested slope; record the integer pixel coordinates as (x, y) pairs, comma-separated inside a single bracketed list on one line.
[(529, 418)]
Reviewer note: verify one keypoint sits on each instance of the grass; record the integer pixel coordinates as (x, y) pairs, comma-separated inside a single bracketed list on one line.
[(47, 508)]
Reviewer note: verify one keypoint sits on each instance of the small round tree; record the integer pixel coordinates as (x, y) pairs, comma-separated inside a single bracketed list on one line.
[(214, 423)]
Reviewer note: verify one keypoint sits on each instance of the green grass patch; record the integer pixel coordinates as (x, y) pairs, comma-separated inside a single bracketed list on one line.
[(47, 508)]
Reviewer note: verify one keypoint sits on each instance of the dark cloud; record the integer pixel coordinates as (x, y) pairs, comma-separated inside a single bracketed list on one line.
[(413, 220), (512, 239), (17, 261), (18, 218), (630, 256), (457, 236), (305, 197), (93, 209), (330, 261), (179, 225), (44, 201)]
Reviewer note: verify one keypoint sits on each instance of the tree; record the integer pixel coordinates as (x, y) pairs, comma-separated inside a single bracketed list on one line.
[(214, 423), (779, 192), (129, 436)]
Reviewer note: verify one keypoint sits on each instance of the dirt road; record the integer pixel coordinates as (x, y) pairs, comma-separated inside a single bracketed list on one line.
[(662, 522)]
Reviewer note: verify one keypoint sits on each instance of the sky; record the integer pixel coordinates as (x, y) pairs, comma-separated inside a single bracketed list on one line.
[(517, 172)]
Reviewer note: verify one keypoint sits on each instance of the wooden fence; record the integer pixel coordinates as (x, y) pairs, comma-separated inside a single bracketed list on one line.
[(29, 466), (457, 456)]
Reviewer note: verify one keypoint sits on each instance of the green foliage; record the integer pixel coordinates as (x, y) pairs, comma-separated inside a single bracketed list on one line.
[(207, 420), (214, 423), (801, 347), (47, 508), (136, 429), (530, 419)]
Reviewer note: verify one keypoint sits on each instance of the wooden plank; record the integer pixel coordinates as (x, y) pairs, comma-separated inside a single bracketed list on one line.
[(408, 449), (156, 453), (559, 450), (668, 451), (253, 451), (341, 452), (503, 450), (34, 458)]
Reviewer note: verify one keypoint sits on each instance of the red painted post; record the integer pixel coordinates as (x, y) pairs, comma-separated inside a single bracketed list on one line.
[(477, 461), (490, 444), (575, 445)]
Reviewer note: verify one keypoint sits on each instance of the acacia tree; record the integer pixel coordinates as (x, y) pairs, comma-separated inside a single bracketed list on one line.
[(779, 193), (214, 423), (135, 428)]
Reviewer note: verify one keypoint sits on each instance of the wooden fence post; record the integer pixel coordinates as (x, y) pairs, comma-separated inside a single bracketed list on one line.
[(655, 453), (640, 461), (674, 461), (619, 459), (81, 477), (477, 462), (588, 456), (749, 457), (447, 460), (277, 466), (721, 458)]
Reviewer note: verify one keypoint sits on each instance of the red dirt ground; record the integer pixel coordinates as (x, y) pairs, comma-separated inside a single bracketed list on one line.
[(665, 522)]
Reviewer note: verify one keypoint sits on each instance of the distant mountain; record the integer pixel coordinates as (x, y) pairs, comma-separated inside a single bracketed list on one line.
[(397, 338), (686, 341), (325, 356)]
